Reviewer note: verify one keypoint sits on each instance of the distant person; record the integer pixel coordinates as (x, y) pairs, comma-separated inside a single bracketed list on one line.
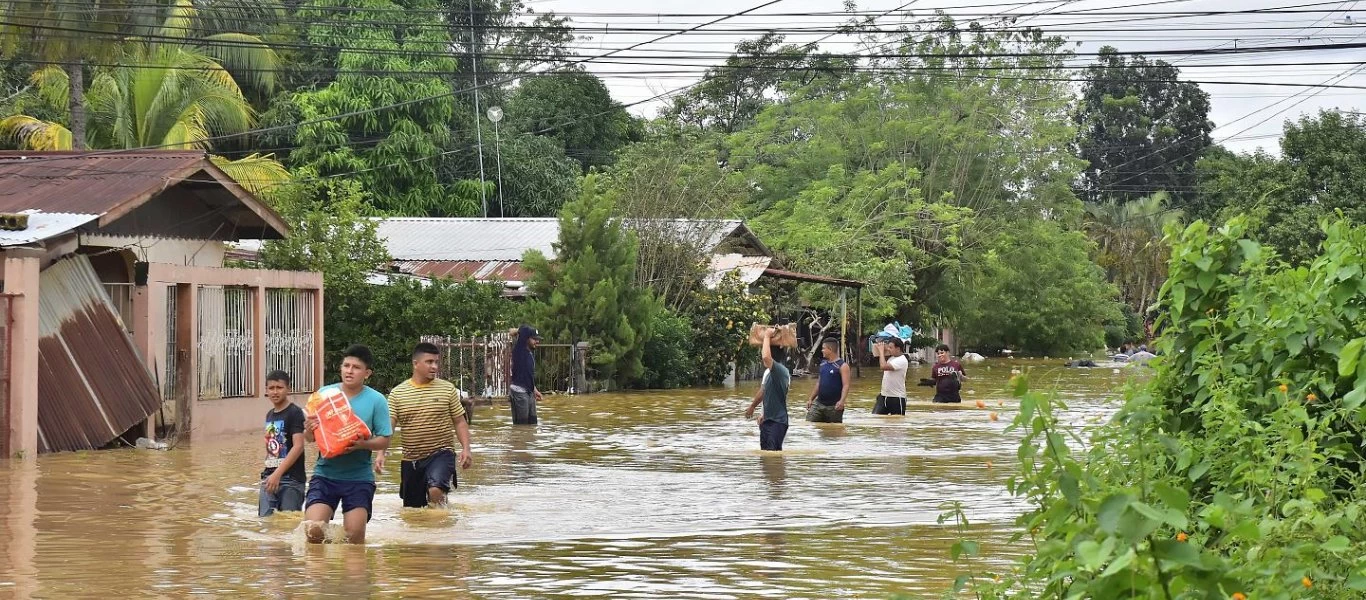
[(348, 480), (826, 404), (429, 413), (891, 358), (773, 394), (948, 377), (522, 393), (282, 481)]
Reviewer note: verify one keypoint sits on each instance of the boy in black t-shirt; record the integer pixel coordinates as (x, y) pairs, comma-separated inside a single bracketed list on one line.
[(948, 377), (282, 481)]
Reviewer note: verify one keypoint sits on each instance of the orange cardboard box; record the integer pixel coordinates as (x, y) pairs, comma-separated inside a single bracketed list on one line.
[(338, 426), (785, 336)]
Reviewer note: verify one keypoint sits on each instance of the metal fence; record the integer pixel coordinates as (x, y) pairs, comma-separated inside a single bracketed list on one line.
[(225, 342), (482, 365), (169, 385), (290, 336)]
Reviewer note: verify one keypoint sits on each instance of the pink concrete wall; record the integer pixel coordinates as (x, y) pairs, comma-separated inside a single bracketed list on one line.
[(214, 417), (21, 273)]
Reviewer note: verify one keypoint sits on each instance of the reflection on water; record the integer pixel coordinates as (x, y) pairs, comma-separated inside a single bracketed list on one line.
[(648, 494)]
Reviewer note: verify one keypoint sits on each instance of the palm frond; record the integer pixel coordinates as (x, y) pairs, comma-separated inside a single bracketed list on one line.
[(53, 85), (247, 57), (180, 18), (259, 174), (27, 133)]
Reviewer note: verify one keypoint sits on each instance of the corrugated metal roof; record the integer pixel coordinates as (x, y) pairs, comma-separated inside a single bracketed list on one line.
[(491, 270), (112, 183), (92, 385), (751, 268), (467, 239), (460, 239), (43, 225)]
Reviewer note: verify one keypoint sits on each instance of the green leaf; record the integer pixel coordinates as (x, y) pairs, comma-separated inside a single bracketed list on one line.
[(1348, 358), (1120, 563), (1354, 398), (1199, 470), (1111, 510), (1357, 582), (1314, 494), (1180, 553), (1336, 543), (1070, 489), (1173, 497)]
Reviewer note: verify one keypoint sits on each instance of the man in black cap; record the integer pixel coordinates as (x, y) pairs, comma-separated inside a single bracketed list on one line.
[(522, 392)]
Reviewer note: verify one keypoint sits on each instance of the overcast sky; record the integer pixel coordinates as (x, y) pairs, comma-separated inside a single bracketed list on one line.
[(1246, 116)]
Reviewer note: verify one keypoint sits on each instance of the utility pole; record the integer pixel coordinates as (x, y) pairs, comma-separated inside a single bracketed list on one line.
[(478, 115)]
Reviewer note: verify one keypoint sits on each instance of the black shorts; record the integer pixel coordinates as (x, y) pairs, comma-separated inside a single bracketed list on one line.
[(349, 494), (947, 398), (416, 476), (886, 405), (771, 434)]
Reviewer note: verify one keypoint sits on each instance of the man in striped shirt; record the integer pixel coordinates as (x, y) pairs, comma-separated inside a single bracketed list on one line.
[(428, 412)]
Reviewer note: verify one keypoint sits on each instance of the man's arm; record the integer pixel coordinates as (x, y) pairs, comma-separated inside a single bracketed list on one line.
[(758, 399), (310, 424), (462, 429), (296, 451), (882, 361), (844, 393), (767, 353)]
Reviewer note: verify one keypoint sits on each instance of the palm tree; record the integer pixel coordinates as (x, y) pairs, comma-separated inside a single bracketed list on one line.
[(168, 96), (69, 33), (1130, 245)]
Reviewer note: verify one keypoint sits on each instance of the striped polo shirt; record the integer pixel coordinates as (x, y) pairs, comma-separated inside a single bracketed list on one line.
[(427, 414)]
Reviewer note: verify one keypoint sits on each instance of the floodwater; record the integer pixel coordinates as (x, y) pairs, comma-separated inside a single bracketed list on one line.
[(645, 494)]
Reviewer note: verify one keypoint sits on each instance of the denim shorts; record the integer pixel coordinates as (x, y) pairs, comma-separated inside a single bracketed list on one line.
[(350, 494), (417, 476), (288, 497)]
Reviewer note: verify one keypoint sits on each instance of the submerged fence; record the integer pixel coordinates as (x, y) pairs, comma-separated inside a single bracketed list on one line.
[(482, 365)]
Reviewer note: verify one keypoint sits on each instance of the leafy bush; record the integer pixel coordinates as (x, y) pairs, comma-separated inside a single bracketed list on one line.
[(721, 319), (1238, 471), (668, 353)]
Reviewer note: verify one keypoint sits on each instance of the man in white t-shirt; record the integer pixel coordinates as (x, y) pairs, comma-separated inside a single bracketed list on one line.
[(892, 359)]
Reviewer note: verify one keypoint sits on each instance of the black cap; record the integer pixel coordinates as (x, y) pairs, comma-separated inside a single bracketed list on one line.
[(536, 335)]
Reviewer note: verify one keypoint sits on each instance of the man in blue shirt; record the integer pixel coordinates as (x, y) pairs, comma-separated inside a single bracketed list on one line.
[(773, 394), (349, 479), (522, 392), (826, 404)]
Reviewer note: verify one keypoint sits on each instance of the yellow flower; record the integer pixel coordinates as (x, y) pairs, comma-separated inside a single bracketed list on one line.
[(1306, 582), (1284, 388), (1239, 596), (1181, 537), (1311, 397)]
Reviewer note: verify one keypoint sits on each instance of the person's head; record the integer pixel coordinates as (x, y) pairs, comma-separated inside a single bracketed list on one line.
[(356, 366), (277, 387), (426, 362), (941, 353), (779, 354), (533, 337), (895, 346), (830, 349)]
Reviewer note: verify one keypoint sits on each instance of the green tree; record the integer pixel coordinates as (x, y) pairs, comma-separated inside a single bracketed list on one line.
[(673, 175), (396, 153), (1319, 174), (576, 109), (721, 319), (588, 292), (1130, 246), (537, 178), (1035, 291), (69, 33), (172, 97), (1140, 128)]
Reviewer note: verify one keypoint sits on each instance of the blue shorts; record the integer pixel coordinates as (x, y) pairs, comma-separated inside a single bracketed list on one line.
[(771, 434), (350, 494)]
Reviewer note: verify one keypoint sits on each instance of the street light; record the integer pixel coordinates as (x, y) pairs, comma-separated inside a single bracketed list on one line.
[(496, 115)]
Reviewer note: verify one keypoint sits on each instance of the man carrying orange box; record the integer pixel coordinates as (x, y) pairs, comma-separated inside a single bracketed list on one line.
[(346, 478)]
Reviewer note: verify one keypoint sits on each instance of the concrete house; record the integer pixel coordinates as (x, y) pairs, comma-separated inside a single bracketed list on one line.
[(117, 318)]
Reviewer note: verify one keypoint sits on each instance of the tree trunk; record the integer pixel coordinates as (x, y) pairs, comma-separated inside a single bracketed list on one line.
[(76, 103)]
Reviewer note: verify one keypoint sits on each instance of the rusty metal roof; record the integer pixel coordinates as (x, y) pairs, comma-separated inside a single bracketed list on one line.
[(113, 183), (92, 385), (480, 270)]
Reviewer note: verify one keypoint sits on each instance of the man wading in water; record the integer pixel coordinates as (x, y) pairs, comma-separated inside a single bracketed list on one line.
[(773, 394), (892, 400), (348, 479), (826, 404), (522, 393), (948, 377), (428, 411)]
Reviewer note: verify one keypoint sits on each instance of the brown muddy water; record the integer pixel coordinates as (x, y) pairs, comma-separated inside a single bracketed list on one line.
[(643, 494)]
